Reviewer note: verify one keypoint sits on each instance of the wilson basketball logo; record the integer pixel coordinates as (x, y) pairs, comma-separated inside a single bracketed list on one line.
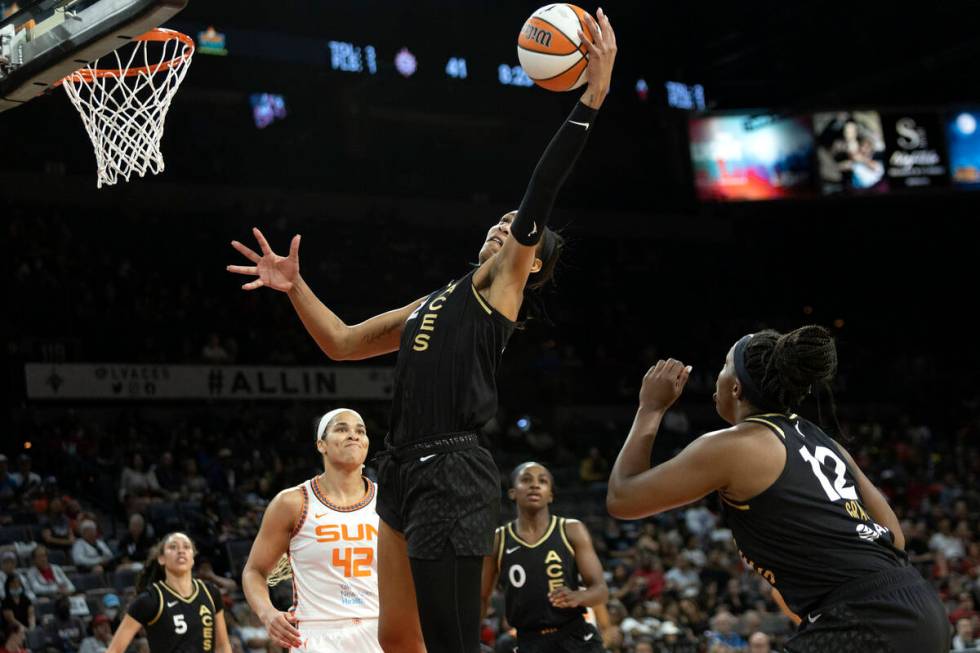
[(535, 34)]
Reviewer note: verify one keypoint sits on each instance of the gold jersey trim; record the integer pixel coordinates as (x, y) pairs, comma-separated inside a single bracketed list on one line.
[(189, 599), (483, 302), (564, 537), (775, 427), (737, 506), (207, 593), (500, 547), (159, 609), (547, 533)]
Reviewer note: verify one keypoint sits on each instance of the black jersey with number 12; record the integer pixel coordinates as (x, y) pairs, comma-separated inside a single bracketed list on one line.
[(809, 532)]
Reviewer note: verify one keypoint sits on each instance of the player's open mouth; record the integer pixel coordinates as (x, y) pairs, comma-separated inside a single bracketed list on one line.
[(533, 496), (494, 239)]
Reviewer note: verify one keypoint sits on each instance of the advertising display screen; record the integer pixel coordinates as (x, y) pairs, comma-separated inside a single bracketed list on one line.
[(850, 152), (751, 158), (963, 139), (267, 108), (916, 153)]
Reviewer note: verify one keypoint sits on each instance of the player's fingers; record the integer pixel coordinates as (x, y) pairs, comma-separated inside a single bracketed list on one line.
[(243, 269), (587, 43), (606, 27), (294, 247), (291, 623), (286, 632), (684, 376), (246, 252), (610, 34), (252, 285), (597, 36), (286, 640), (263, 243)]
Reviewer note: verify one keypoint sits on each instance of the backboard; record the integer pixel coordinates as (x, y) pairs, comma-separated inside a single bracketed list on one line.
[(42, 41)]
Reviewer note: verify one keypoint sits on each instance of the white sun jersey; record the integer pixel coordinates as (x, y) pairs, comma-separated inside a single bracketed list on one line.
[(333, 553)]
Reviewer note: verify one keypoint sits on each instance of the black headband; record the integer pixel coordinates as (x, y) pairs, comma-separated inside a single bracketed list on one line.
[(750, 392), (549, 241)]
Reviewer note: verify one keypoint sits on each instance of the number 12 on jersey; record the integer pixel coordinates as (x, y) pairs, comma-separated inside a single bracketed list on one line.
[(355, 561), (838, 490)]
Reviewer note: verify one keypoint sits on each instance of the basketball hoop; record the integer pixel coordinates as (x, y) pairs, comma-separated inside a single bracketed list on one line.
[(124, 108)]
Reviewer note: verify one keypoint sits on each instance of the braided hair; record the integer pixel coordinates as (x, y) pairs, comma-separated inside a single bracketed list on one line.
[(789, 367)]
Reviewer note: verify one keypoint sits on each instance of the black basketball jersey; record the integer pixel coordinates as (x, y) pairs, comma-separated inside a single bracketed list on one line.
[(808, 533), (175, 624), (529, 572), (445, 378)]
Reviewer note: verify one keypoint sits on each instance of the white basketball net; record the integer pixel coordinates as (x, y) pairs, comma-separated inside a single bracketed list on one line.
[(124, 113)]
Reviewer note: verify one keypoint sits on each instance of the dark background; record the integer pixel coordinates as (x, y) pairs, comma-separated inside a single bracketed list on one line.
[(364, 164), (393, 183)]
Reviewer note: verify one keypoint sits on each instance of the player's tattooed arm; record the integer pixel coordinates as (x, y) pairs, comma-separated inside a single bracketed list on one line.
[(379, 335)]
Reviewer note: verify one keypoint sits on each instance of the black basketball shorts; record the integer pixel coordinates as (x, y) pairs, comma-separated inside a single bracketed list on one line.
[(443, 495), (894, 611), (578, 637)]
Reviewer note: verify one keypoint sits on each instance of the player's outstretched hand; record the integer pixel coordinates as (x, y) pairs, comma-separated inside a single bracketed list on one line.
[(273, 271), (602, 55), (663, 384), (282, 629)]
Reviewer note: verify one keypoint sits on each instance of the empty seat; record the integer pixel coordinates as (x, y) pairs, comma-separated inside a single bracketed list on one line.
[(57, 557), (38, 639), (124, 578), (11, 534), (86, 582)]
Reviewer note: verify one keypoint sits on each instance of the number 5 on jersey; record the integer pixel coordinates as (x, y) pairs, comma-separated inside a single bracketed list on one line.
[(355, 561), (180, 626)]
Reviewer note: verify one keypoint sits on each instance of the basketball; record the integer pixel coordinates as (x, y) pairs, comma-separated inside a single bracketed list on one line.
[(549, 48)]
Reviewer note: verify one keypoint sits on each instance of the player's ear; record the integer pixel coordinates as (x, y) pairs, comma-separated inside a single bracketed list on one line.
[(536, 266), (512, 494)]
